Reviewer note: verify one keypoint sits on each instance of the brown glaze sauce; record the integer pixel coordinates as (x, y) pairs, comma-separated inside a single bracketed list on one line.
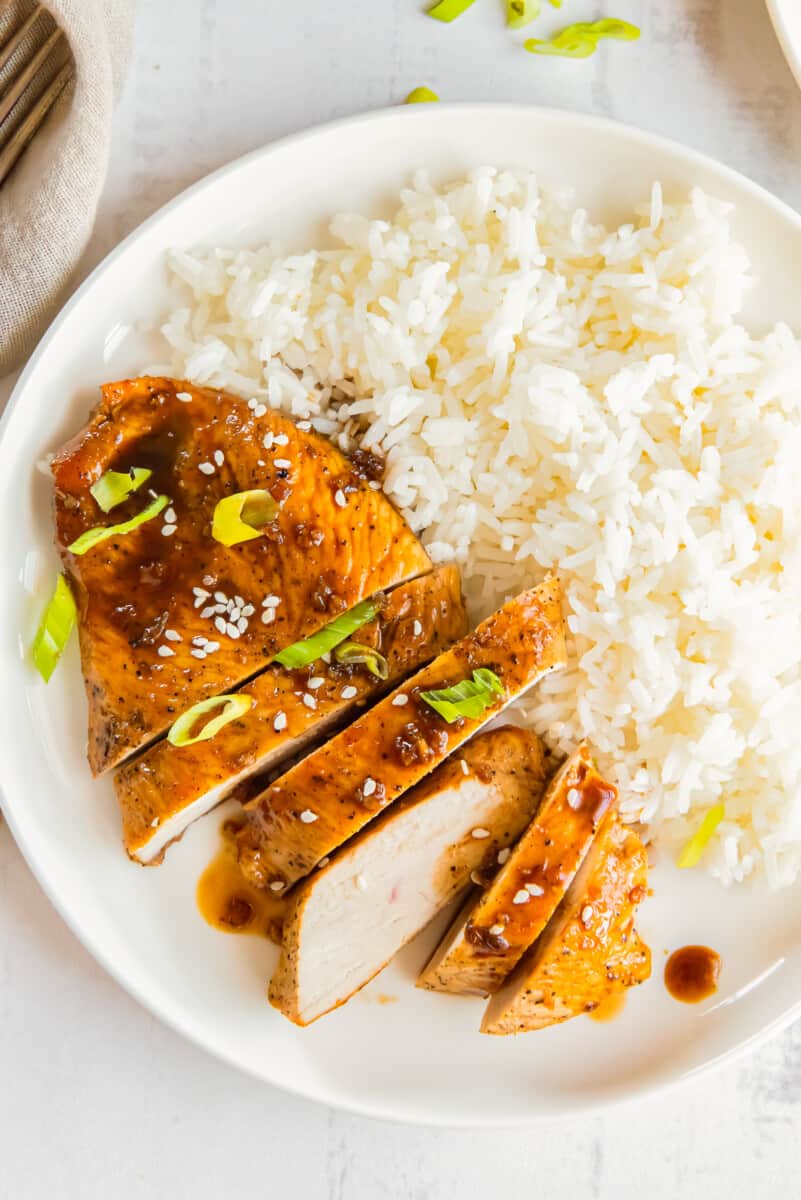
[(692, 973), (228, 902)]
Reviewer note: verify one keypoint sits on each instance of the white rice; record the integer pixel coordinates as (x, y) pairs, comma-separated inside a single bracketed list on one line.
[(554, 395)]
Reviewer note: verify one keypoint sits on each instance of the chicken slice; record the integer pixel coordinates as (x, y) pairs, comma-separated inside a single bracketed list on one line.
[(491, 935), (145, 597), (351, 917), (163, 790), (590, 950), (328, 797)]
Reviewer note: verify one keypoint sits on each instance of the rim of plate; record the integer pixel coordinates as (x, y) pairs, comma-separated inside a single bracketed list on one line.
[(181, 1022), (789, 40)]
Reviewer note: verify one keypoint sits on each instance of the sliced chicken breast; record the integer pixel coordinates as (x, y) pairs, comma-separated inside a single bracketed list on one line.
[(335, 791), (169, 616), (490, 936), (352, 916), (590, 950), (163, 790)]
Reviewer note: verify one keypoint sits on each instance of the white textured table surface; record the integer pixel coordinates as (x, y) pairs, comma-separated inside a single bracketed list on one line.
[(96, 1097)]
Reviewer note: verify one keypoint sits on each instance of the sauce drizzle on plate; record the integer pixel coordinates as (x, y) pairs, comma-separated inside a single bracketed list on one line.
[(692, 973)]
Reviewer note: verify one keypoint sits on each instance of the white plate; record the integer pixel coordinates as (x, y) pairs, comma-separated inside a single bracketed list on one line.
[(419, 1058), (786, 17)]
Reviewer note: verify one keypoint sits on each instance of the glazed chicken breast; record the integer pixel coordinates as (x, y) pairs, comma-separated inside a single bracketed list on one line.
[(354, 914), (163, 790), (168, 615), (590, 951), (328, 797), (490, 935)]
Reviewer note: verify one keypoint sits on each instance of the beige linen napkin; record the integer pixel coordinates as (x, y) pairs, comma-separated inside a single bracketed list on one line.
[(48, 203)]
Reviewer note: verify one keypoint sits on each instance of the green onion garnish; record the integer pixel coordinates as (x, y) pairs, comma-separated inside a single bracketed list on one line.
[(421, 95), (232, 707), (522, 12), (115, 486), (692, 851), (54, 629), (581, 40), (449, 10), (470, 698), (354, 654), (92, 537), (243, 516), (300, 654)]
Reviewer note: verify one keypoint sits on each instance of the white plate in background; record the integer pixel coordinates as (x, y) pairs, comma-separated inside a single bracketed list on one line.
[(786, 17), (421, 1057)]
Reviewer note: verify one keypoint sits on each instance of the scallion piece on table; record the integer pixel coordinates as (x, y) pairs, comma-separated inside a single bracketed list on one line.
[(694, 848), (522, 12), (356, 654), (93, 537), (581, 40), (470, 698), (232, 707), (243, 516), (449, 10), (54, 629), (300, 654), (422, 95), (115, 486)]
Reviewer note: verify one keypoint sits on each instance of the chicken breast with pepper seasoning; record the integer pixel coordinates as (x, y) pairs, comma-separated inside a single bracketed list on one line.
[(491, 935), (310, 811), (168, 615), (590, 951), (354, 915), (163, 790)]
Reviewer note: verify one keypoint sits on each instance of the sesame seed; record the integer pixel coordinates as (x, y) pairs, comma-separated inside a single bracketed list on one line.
[(349, 692), (242, 624), (374, 484), (277, 886), (219, 457), (400, 700), (221, 608), (198, 653), (480, 833), (234, 612), (208, 612), (280, 722), (271, 601), (282, 439), (206, 467), (232, 630), (171, 635), (219, 624), (477, 878), (496, 929), (323, 863), (417, 629), (534, 889), (282, 463), (304, 425), (211, 647), (169, 515), (221, 597), (201, 592), (252, 403), (199, 600), (239, 602), (199, 640), (339, 498), (464, 766), (586, 914), (503, 856), (184, 397), (154, 824), (259, 410), (166, 652), (368, 786), (361, 883), (574, 798), (521, 897), (307, 816), (309, 701), (208, 580), (168, 530), (248, 610), (316, 683), (267, 441), (268, 616)]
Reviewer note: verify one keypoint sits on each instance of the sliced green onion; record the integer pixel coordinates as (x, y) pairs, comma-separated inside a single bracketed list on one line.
[(243, 516), (92, 537), (522, 12), (449, 10), (421, 95), (354, 654), (300, 654), (692, 851), (232, 707), (581, 40), (115, 486), (470, 698), (54, 629)]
